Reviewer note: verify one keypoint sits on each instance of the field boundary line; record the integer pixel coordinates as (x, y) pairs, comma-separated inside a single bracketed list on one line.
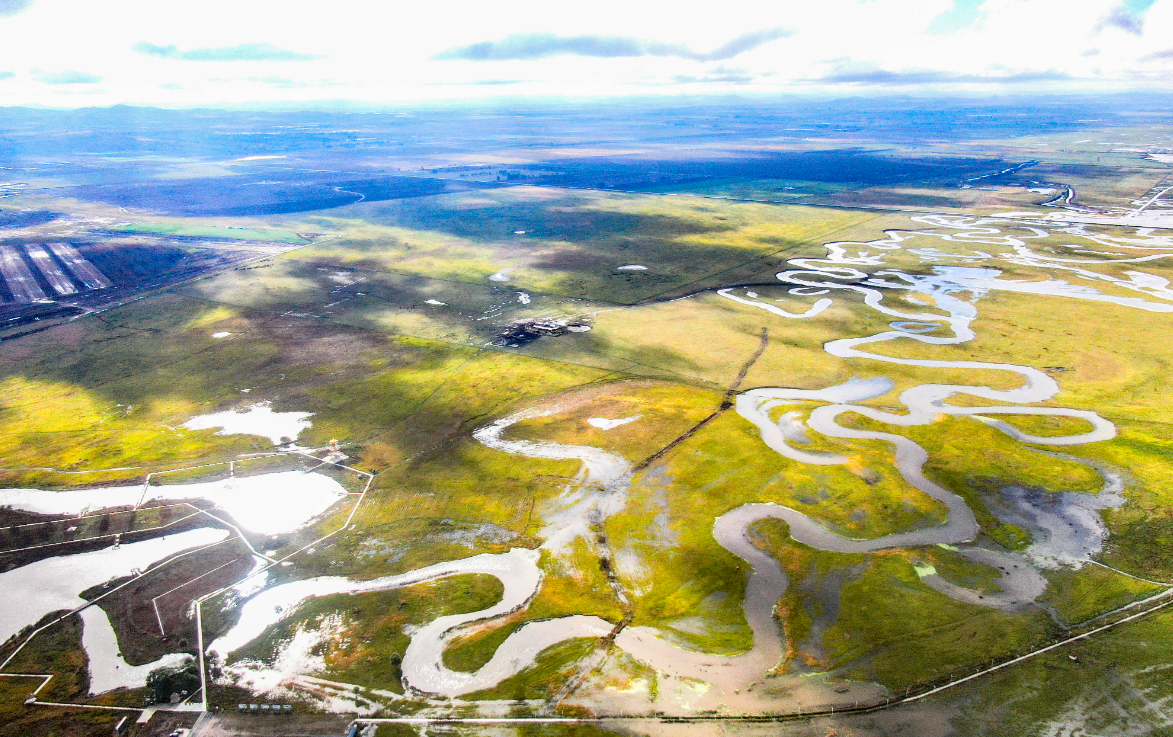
[(199, 602), (98, 598), (1048, 648), (116, 535), (198, 608)]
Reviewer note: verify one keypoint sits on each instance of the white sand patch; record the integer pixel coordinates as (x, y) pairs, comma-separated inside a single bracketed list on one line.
[(502, 275), (633, 267), (1041, 190), (519, 232), (1163, 158), (270, 503), (435, 302), (258, 419), (604, 424), (523, 298), (221, 334)]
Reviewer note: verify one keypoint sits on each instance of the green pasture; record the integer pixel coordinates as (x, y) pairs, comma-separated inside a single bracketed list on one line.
[(212, 231), (574, 241)]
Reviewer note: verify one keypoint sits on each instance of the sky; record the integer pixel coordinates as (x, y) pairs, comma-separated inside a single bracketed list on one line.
[(75, 53)]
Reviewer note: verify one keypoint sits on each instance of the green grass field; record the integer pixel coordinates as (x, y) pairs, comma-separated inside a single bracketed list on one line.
[(343, 329), (187, 230)]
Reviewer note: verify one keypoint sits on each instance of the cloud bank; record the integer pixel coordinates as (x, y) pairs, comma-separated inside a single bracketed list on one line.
[(544, 45), (243, 52), (473, 50), (1158, 55), (963, 14), (68, 76), (12, 7), (1128, 16), (884, 77)]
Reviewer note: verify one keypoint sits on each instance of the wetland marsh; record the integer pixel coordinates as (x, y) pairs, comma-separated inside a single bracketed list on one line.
[(420, 444)]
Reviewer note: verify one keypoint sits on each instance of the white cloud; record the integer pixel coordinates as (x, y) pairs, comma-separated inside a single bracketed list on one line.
[(380, 52)]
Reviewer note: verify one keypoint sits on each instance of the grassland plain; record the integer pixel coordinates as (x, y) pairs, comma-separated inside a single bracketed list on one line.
[(1079, 596), (109, 391), (953, 445), (1098, 186), (569, 243), (56, 650), (574, 584), (547, 676), (362, 636), (37, 721), (883, 607), (676, 570), (1121, 380), (683, 571), (435, 309), (941, 198), (1115, 683), (188, 230)]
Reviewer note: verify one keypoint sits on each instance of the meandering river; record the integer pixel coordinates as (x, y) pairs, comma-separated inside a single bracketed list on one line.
[(600, 489)]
